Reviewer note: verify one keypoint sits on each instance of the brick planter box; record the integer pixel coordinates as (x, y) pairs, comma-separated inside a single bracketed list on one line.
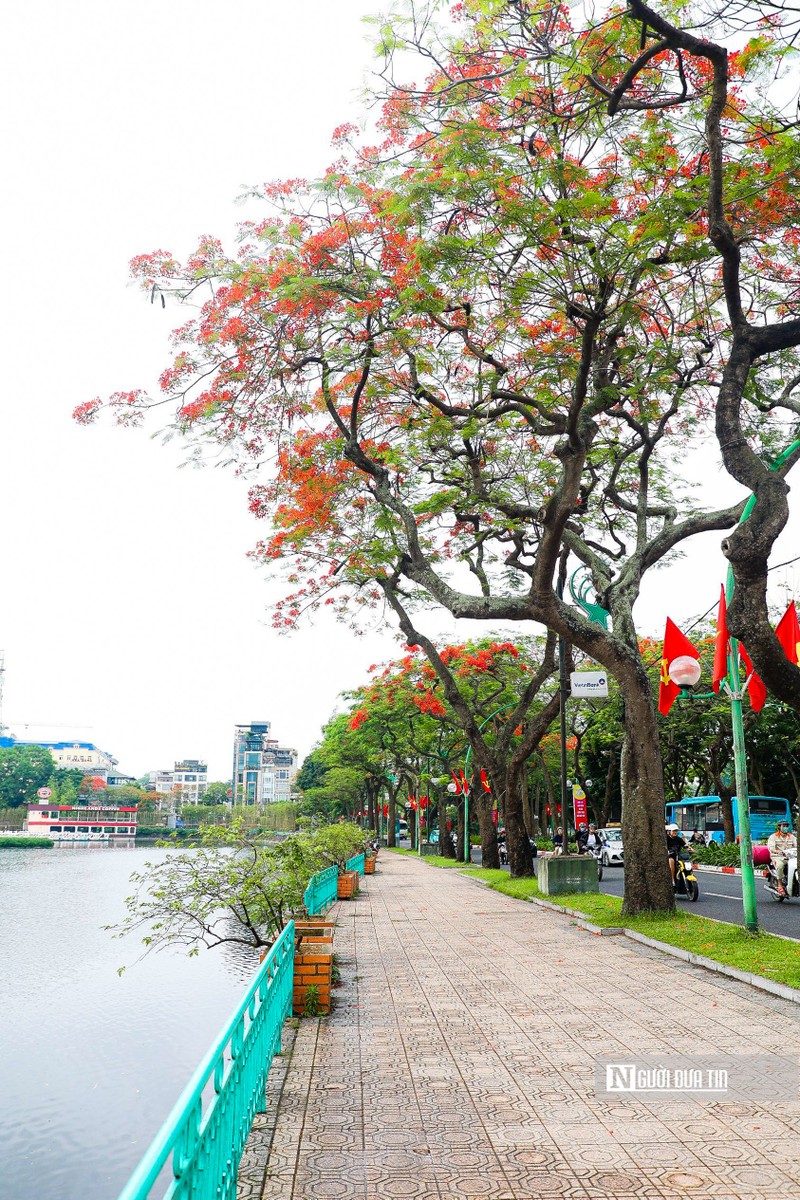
[(348, 884), (313, 963), (369, 866), (312, 968), (314, 930)]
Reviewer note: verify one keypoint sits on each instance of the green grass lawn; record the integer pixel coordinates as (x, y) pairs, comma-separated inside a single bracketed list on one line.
[(761, 953)]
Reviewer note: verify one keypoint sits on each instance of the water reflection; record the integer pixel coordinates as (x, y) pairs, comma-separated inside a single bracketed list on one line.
[(92, 1062)]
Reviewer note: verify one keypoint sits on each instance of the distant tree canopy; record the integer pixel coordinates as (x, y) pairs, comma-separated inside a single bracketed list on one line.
[(23, 770)]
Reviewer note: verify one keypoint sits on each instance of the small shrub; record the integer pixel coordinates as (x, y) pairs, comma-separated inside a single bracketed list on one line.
[(312, 1001), (718, 854), (336, 972)]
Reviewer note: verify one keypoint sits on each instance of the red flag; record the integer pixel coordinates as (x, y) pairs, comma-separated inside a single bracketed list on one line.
[(756, 691), (487, 787), (464, 784), (788, 634), (721, 644), (494, 815), (675, 644), (457, 782)]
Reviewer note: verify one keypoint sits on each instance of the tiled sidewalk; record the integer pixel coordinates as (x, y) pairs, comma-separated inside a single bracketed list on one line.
[(458, 1062)]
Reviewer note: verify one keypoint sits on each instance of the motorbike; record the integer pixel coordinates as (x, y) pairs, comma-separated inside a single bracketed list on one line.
[(685, 879), (597, 854), (791, 882)]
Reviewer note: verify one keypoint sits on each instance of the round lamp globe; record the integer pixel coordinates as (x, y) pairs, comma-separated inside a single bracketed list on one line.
[(684, 670)]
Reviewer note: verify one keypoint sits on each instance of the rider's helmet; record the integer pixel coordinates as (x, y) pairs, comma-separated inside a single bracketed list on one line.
[(591, 826), (582, 825), (782, 825), (673, 828)]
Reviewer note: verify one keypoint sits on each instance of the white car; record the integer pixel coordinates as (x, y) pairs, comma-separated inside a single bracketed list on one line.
[(612, 855)]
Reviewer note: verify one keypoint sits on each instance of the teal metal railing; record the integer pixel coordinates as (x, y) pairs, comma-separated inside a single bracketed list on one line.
[(355, 864), (321, 891), (206, 1131)]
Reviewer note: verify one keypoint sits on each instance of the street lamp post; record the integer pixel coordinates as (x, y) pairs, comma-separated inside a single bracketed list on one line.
[(685, 672)]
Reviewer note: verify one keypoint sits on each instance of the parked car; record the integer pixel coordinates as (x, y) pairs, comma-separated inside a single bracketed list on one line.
[(612, 847)]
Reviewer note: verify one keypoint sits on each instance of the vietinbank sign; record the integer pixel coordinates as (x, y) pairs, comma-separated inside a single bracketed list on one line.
[(588, 683)]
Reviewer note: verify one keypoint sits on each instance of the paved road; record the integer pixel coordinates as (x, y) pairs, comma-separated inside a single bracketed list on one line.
[(721, 898), (458, 1063)]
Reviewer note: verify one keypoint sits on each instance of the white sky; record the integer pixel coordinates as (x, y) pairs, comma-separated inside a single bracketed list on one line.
[(129, 613)]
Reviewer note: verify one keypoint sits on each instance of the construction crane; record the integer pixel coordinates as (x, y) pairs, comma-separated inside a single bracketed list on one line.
[(30, 724)]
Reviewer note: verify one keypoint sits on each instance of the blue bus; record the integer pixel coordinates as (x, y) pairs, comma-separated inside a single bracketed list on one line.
[(705, 813)]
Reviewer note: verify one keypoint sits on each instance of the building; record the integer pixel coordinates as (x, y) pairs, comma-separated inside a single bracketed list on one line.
[(78, 756), (263, 770), (186, 783)]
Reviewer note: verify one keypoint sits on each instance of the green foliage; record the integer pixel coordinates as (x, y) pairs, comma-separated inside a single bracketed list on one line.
[(25, 843), (23, 770), (717, 854), (217, 793), (232, 886), (338, 843), (312, 1004)]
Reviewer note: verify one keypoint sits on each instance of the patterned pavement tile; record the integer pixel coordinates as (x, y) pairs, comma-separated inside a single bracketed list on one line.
[(457, 1062)]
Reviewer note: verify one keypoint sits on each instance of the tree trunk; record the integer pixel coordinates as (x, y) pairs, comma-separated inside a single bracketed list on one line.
[(445, 841), (726, 803), (460, 830), (648, 882), (391, 840), (527, 806), (490, 854), (520, 859)]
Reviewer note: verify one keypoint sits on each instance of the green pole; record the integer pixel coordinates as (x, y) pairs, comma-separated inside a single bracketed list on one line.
[(467, 848), (739, 752), (742, 792)]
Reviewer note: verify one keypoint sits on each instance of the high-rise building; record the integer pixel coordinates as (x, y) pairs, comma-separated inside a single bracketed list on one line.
[(263, 771)]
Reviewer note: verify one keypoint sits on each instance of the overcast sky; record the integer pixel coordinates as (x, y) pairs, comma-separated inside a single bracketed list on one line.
[(130, 615)]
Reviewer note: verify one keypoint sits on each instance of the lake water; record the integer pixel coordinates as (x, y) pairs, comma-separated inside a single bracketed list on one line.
[(91, 1062)]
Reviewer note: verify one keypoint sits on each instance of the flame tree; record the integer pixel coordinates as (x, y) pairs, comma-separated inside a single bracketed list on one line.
[(480, 346)]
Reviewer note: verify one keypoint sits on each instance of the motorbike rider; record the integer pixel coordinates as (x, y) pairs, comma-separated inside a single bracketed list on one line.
[(781, 845), (594, 841), (582, 837), (675, 844)]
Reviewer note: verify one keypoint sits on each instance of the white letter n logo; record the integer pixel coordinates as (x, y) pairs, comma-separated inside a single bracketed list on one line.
[(620, 1077)]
